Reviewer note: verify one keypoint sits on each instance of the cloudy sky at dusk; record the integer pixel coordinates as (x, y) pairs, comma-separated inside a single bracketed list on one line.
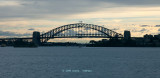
[(18, 17)]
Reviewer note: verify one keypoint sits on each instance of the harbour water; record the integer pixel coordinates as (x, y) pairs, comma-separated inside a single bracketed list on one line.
[(80, 62)]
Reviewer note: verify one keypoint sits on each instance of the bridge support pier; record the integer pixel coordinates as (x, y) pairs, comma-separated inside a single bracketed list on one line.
[(36, 38)]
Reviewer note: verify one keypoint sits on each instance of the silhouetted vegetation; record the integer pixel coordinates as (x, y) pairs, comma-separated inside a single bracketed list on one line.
[(21, 43)]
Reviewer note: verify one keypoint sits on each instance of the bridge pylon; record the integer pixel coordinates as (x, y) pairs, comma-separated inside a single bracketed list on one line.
[(36, 38)]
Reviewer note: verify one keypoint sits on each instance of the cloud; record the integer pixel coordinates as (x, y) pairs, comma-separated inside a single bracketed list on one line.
[(13, 34), (9, 3), (142, 30), (31, 29), (157, 26), (46, 8), (115, 29), (144, 25), (133, 2), (43, 15), (34, 9), (139, 30)]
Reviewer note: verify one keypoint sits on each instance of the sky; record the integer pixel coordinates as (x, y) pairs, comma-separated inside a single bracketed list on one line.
[(19, 18)]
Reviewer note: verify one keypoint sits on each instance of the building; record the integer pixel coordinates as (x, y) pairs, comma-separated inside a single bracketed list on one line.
[(157, 36), (148, 38)]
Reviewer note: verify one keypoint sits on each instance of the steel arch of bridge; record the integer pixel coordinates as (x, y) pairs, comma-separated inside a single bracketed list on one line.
[(107, 33)]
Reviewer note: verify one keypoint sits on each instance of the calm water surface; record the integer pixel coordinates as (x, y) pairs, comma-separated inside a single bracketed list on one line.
[(75, 62)]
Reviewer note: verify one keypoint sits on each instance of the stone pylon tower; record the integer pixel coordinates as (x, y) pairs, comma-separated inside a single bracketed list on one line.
[(127, 35), (36, 38)]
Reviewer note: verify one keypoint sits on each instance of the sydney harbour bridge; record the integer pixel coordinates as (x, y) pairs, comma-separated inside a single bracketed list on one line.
[(77, 30)]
